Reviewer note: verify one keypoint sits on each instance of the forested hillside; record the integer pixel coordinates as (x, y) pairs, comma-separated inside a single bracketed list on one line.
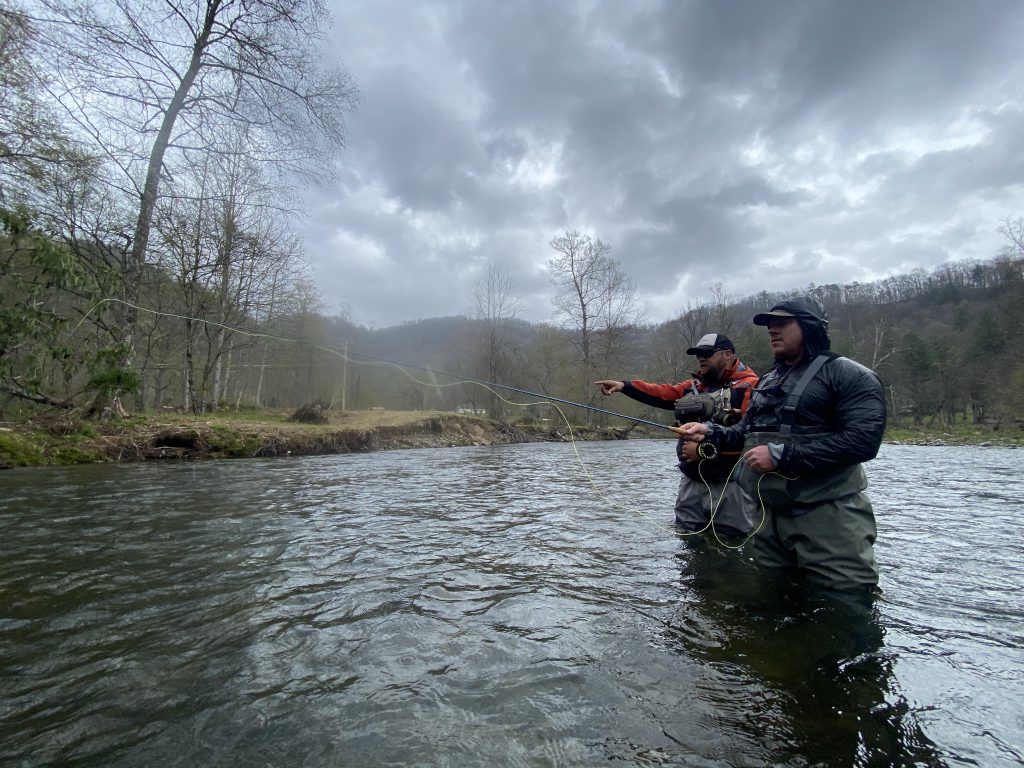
[(947, 345), (153, 263)]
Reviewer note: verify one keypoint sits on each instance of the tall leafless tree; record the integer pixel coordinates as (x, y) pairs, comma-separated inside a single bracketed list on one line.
[(593, 297), (146, 80), (226, 241), (495, 306)]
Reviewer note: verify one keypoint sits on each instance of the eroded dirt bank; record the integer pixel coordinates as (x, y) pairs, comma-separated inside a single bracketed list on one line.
[(57, 441)]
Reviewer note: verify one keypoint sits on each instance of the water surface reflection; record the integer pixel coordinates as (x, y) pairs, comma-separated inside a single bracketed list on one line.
[(485, 606)]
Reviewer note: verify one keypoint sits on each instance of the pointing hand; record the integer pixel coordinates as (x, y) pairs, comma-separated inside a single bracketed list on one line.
[(609, 387)]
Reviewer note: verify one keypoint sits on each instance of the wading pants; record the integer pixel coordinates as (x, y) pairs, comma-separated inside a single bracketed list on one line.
[(821, 525), (734, 512), (831, 543)]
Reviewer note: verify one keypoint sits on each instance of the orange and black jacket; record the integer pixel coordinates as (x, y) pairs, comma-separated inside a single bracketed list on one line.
[(741, 381)]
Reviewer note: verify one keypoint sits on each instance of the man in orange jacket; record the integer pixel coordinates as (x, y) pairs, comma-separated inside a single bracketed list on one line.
[(720, 392)]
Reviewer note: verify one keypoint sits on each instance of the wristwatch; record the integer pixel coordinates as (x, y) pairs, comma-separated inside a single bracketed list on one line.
[(707, 450)]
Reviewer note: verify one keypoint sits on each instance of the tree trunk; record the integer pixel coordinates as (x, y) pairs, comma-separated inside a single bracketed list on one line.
[(136, 259)]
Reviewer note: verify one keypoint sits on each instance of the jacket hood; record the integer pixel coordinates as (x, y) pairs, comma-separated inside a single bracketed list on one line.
[(810, 315)]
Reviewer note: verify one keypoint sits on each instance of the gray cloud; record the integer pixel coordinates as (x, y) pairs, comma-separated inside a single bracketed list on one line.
[(760, 145)]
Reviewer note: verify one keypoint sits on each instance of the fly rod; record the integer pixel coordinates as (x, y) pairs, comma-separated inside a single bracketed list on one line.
[(515, 389), (345, 356)]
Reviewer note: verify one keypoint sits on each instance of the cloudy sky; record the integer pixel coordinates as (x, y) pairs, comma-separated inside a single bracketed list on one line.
[(763, 145)]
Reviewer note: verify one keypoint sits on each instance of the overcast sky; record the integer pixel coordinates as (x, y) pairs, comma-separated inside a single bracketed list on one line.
[(764, 145)]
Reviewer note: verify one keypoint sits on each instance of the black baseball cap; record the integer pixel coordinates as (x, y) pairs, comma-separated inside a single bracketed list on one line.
[(801, 307), (710, 343)]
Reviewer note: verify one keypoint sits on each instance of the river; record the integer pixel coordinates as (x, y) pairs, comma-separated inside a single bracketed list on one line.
[(494, 606)]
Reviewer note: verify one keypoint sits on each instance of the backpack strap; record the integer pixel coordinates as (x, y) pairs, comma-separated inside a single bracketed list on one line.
[(788, 418)]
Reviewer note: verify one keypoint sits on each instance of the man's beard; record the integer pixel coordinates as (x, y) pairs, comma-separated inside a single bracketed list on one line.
[(712, 377)]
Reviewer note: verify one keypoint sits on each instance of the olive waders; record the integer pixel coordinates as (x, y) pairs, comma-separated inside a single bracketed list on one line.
[(821, 524)]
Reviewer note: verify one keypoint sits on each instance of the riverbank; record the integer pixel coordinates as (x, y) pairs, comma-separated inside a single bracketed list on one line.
[(979, 435), (55, 440), (59, 440)]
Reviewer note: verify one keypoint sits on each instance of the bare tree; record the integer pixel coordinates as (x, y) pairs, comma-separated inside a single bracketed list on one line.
[(495, 305), (227, 242), (720, 315), (47, 223), (578, 273), (32, 141), (724, 315), (593, 297), (669, 341), (692, 323), (874, 342), (146, 80), (1013, 230)]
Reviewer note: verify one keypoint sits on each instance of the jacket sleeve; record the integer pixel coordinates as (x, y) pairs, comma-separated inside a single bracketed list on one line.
[(859, 422), (657, 395), (727, 439)]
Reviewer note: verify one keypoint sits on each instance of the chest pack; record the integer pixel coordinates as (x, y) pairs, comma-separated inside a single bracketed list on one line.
[(707, 406)]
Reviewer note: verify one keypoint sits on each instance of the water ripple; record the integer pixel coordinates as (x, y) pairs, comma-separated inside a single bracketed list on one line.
[(485, 606)]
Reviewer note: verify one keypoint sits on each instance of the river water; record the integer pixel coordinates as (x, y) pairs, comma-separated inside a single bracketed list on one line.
[(494, 606)]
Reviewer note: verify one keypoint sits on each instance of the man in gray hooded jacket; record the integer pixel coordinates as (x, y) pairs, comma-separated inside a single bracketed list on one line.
[(812, 420)]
